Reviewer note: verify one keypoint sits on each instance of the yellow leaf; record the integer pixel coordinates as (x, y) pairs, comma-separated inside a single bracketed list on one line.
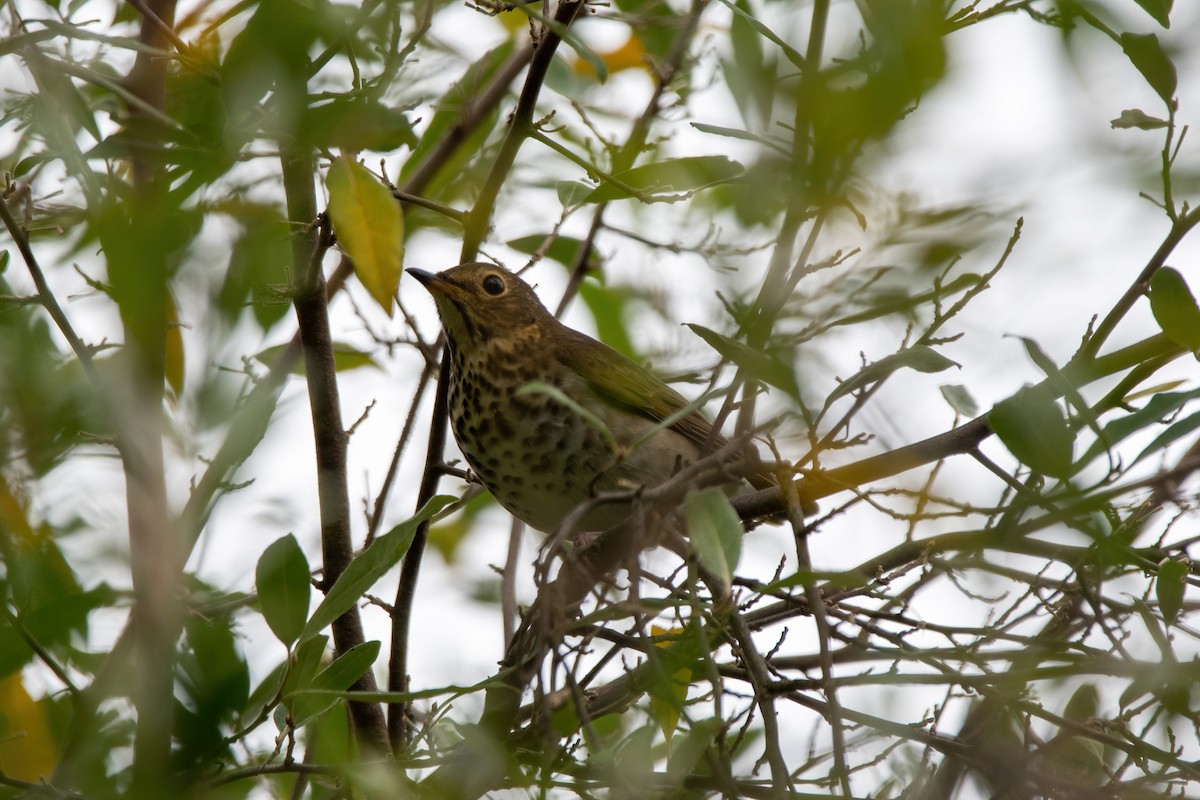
[(667, 713), (12, 515), (513, 21), (27, 750), (369, 225), (628, 56)]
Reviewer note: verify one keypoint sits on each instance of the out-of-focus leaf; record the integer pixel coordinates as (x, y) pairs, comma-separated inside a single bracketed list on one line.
[(271, 55), (563, 249), (629, 55), (920, 358), (215, 676), (1170, 585), (902, 301), (357, 123), (1136, 118), (1033, 428), (68, 102), (749, 72), (608, 307), (675, 175), (635, 754), (792, 54), (450, 109), (446, 536), (715, 532), (762, 366), (1083, 705), (284, 588), (1157, 408), (572, 193), (1171, 435), (691, 747), (258, 266), (263, 694), (733, 133), (658, 24), (26, 742), (1175, 308), (345, 357), (1160, 10), (368, 223), (369, 566), (960, 399), (1147, 54)]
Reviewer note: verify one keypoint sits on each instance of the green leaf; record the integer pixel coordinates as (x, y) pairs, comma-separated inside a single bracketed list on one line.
[(369, 566), (960, 399), (1170, 585), (921, 358), (751, 75), (690, 747), (1170, 435), (635, 754), (337, 677), (734, 133), (1146, 53), (1159, 407), (572, 193), (357, 123), (214, 674), (306, 659), (762, 366), (1175, 308), (369, 225), (1160, 10), (452, 106), (793, 55), (257, 274), (345, 358), (1136, 118), (1033, 428), (270, 54), (284, 587), (563, 249), (1083, 705), (715, 532), (674, 175), (263, 694), (608, 310)]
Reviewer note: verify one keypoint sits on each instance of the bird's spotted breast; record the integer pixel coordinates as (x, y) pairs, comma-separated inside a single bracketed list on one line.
[(531, 451)]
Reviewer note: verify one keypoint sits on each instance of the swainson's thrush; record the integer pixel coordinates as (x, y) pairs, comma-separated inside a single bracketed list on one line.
[(538, 456)]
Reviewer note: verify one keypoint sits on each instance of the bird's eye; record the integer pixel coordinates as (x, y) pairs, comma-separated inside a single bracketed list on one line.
[(493, 285)]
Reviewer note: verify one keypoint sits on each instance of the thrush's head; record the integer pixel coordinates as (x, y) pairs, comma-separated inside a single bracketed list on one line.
[(481, 302)]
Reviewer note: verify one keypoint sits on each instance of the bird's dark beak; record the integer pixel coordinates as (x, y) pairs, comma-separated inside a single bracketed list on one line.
[(435, 283)]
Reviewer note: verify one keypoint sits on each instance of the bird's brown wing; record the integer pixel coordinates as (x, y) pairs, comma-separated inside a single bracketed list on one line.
[(625, 384)]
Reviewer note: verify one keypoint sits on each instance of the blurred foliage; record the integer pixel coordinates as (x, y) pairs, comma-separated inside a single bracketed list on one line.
[(152, 257)]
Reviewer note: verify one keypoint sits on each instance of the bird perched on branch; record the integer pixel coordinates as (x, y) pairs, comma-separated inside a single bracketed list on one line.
[(548, 417)]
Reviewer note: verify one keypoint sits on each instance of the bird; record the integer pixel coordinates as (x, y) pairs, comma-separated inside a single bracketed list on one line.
[(548, 417)]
